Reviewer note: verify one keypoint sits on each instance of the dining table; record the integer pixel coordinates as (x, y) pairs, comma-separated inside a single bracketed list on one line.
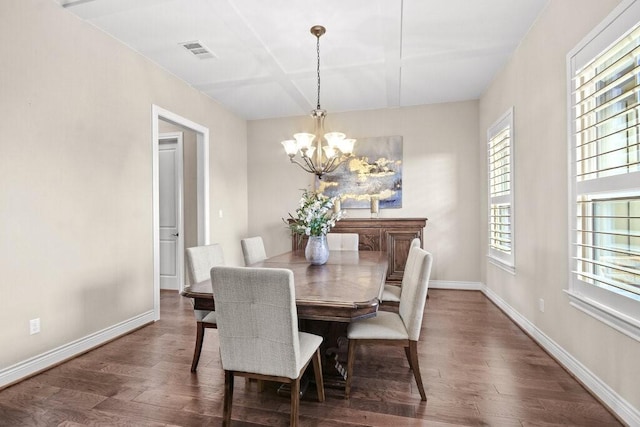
[(346, 288)]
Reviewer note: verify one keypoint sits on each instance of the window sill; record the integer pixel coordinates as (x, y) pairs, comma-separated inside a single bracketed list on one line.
[(502, 265), (607, 315)]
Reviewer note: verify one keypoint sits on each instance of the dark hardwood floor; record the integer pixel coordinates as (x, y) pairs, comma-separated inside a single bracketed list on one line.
[(478, 367)]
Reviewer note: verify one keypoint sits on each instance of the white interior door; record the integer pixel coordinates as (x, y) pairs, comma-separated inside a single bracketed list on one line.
[(170, 199)]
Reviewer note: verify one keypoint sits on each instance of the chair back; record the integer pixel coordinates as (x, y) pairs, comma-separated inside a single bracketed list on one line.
[(253, 250), (200, 259), (415, 284), (342, 241), (415, 242), (257, 320)]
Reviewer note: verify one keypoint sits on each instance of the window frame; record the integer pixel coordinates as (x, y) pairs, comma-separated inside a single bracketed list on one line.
[(501, 259), (616, 308)]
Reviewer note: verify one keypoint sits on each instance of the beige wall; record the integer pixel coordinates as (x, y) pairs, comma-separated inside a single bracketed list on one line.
[(440, 178), (76, 181), (534, 82)]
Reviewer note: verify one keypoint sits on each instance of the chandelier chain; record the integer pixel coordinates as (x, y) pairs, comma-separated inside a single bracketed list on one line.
[(318, 67)]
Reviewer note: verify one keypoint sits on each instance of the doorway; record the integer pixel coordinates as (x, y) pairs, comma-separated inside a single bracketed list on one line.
[(171, 201), (202, 187)]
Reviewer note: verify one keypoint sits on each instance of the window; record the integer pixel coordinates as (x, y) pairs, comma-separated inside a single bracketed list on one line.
[(605, 165), (500, 155)]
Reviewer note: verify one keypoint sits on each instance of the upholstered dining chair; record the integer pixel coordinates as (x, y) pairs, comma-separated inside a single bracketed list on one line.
[(391, 293), (342, 241), (258, 330), (253, 250), (402, 328), (200, 259)]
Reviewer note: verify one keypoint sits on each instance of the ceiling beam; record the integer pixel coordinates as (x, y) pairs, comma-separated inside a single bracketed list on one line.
[(393, 51), (243, 30)]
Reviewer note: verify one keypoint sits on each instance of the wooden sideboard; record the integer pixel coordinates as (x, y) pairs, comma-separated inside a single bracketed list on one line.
[(393, 235)]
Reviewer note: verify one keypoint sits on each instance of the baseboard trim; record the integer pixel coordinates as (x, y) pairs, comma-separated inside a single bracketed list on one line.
[(616, 403), (455, 285), (41, 362)]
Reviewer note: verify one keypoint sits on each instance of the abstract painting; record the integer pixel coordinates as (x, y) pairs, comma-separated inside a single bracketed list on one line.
[(374, 171)]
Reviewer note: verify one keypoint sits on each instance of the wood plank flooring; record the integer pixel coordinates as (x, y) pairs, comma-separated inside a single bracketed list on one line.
[(478, 367)]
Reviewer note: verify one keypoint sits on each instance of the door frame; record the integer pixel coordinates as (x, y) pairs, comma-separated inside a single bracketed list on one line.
[(176, 138), (202, 188)]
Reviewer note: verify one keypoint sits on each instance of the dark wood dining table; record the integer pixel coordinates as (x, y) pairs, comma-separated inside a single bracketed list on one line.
[(346, 288), (328, 297)]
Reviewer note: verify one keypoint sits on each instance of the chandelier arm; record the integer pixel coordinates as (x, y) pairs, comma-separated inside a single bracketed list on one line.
[(327, 168), (343, 159), (312, 167), (306, 169), (333, 165), (337, 161)]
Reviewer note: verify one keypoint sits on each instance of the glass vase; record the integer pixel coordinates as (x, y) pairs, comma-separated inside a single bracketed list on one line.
[(317, 250)]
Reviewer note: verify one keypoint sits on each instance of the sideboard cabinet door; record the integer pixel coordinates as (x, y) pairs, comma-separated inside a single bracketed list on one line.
[(398, 244)]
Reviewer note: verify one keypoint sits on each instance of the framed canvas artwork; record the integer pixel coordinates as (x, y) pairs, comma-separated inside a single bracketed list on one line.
[(374, 172)]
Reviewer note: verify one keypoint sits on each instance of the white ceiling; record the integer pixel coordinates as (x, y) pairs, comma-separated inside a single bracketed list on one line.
[(375, 54)]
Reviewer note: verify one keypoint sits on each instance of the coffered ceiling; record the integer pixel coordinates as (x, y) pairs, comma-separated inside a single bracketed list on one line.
[(375, 54)]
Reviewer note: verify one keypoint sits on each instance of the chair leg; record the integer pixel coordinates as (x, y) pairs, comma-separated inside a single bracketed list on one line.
[(198, 349), (295, 402), (351, 358), (406, 352), (228, 398), (317, 370), (413, 362)]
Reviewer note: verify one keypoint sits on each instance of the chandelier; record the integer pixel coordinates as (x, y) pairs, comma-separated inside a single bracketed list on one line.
[(320, 152)]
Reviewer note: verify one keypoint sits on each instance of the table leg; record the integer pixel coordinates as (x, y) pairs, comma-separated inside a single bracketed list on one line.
[(333, 348), (334, 351)]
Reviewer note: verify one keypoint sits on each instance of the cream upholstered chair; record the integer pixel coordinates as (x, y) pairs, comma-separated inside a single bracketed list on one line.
[(253, 250), (200, 259), (402, 328), (342, 241), (258, 330), (391, 293)]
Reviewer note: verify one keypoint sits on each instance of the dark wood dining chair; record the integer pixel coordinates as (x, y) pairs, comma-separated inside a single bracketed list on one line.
[(258, 330), (402, 328), (200, 259)]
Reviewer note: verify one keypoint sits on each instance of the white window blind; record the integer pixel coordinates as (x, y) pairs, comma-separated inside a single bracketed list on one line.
[(607, 94), (500, 145), (608, 242), (604, 201)]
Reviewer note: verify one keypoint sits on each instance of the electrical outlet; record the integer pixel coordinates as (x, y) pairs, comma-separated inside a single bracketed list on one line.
[(34, 326), (541, 305), (220, 213)]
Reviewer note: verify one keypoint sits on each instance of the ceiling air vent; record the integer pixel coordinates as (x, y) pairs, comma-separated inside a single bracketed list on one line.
[(198, 49)]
